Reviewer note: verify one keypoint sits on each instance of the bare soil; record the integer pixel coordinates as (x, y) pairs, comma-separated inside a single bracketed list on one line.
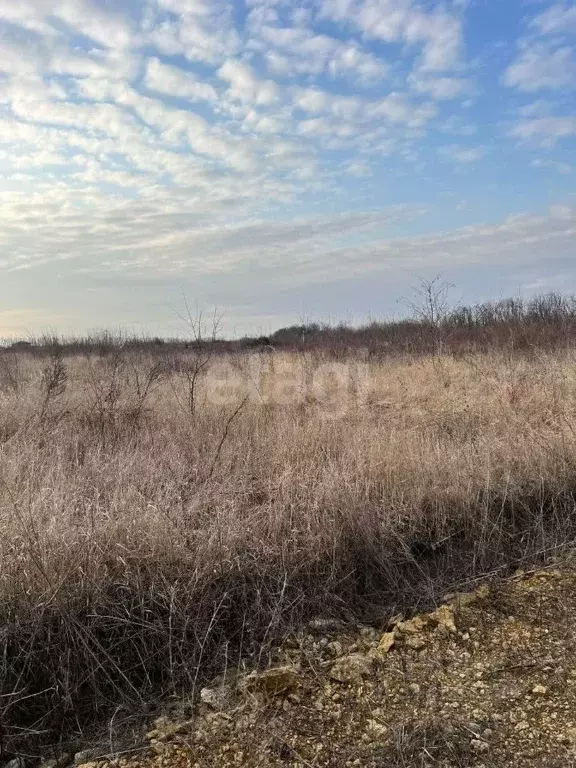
[(488, 680)]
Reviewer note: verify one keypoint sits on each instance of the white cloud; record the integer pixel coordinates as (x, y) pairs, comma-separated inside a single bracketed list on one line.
[(263, 124), (456, 126), (297, 50), (322, 126), (560, 18), (95, 89), (245, 86), (152, 241), (278, 65), (110, 64), (437, 32), (350, 60), (200, 7), (311, 100), (514, 242), (200, 30), (462, 154), (563, 168), (107, 26), (545, 130), (174, 82), (16, 59), (439, 88), (545, 61), (398, 109), (359, 170), (442, 37), (540, 66), (161, 238), (29, 14), (104, 119)]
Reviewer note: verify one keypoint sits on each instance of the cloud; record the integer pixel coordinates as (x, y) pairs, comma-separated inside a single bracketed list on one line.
[(349, 59), (91, 76), (19, 59), (541, 66), (196, 238), (245, 86), (174, 82), (563, 168), (311, 100), (516, 242), (437, 32), (194, 235), (545, 62), (200, 30), (439, 88), (295, 50), (558, 19), (359, 170), (108, 26), (458, 127), (397, 108), (461, 154), (97, 63), (441, 34), (312, 251), (545, 130)]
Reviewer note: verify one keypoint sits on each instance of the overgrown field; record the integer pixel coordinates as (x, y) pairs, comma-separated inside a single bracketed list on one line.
[(161, 517)]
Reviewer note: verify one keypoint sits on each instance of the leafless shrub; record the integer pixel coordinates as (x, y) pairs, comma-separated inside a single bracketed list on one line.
[(10, 372), (53, 382), (199, 352), (144, 384), (105, 383)]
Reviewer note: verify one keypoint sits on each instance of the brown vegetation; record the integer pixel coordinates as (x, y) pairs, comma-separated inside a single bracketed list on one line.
[(162, 515)]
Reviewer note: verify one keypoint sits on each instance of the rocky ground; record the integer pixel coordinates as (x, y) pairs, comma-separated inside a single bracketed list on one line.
[(487, 680)]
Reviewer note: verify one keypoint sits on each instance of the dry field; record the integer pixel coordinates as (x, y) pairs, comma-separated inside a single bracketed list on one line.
[(161, 518)]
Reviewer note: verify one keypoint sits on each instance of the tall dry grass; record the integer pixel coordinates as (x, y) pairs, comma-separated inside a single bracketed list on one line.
[(147, 539)]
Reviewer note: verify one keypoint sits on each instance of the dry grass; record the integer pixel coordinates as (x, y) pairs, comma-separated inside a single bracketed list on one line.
[(147, 538)]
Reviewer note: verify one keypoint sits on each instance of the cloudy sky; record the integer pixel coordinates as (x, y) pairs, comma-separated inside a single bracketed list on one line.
[(279, 159)]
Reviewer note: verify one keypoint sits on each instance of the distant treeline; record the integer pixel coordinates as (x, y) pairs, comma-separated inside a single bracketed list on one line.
[(546, 321), (542, 322)]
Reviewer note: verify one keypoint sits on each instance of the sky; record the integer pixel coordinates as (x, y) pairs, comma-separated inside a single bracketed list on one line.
[(279, 161)]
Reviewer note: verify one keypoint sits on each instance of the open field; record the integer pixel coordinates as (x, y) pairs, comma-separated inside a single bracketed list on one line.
[(160, 519)]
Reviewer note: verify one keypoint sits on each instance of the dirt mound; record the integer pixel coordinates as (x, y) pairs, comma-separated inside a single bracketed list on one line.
[(487, 680)]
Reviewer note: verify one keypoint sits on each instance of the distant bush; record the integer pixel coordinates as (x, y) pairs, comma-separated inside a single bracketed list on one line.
[(21, 346), (547, 321)]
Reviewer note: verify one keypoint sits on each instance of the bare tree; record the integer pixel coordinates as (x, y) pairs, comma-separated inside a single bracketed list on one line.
[(430, 300), (430, 304), (201, 348)]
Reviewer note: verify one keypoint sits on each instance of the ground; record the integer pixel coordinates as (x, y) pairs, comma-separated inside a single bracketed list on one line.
[(488, 680)]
